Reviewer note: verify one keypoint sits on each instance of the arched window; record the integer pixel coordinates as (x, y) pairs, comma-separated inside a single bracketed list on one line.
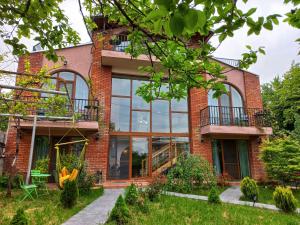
[(76, 85), (228, 108)]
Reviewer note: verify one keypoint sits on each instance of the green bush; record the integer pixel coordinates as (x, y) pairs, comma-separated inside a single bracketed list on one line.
[(190, 171), (69, 194), (284, 199), (42, 165), (282, 159), (120, 213), (131, 195), (249, 189), (154, 189), (19, 218), (70, 161), (213, 196), (85, 181), (15, 181)]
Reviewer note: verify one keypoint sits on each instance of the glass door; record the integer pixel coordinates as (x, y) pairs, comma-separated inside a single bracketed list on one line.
[(242, 146), (231, 159)]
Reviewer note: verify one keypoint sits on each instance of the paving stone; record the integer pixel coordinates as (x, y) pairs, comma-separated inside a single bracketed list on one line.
[(231, 194), (98, 211)]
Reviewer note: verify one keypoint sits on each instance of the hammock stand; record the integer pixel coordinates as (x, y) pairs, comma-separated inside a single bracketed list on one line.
[(59, 167)]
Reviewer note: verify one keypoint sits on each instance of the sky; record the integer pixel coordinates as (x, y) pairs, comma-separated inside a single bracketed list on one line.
[(280, 46)]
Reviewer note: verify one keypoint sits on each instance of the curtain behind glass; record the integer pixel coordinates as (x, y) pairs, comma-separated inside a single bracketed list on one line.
[(242, 146), (216, 158)]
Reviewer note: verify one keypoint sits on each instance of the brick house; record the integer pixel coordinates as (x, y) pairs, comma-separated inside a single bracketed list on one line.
[(137, 140)]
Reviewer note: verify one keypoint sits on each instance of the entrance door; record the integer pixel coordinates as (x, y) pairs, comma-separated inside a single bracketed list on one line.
[(231, 159), (242, 146)]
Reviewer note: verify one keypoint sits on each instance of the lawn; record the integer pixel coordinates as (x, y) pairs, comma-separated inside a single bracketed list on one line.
[(266, 195), (203, 191), (172, 210), (45, 210)]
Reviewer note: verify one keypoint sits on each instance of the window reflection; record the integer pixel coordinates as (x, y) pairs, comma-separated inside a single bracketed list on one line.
[(179, 106), (160, 116), (119, 157), (180, 146), (121, 87), (140, 162), (160, 152), (137, 101), (120, 114), (140, 121), (180, 123)]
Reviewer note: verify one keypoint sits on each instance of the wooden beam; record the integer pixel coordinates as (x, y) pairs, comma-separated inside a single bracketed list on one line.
[(32, 89)]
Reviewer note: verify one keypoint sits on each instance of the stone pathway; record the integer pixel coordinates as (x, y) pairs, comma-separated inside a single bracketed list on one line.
[(231, 194), (98, 211)]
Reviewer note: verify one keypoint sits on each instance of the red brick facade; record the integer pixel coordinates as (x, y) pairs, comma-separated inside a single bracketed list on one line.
[(98, 148)]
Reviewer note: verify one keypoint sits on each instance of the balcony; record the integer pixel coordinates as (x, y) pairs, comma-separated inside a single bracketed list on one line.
[(234, 121), (113, 54), (85, 111)]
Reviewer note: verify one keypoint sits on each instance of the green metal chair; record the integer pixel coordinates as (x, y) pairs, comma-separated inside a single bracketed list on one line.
[(39, 181), (27, 190)]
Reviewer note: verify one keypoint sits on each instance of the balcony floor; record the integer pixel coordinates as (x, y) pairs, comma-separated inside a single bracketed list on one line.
[(235, 130)]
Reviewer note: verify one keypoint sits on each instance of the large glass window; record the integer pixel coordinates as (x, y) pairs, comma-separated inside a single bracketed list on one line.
[(156, 117), (161, 148)]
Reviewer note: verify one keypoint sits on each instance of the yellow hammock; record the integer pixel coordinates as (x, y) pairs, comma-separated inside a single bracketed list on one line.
[(62, 172)]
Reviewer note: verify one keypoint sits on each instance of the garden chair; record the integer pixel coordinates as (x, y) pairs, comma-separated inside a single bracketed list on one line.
[(27, 190), (39, 180)]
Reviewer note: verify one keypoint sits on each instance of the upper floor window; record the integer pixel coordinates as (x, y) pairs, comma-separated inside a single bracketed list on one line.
[(130, 113), (231, 99), (75, 84)]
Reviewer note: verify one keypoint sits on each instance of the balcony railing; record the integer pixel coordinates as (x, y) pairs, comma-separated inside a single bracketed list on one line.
[(117, 43), (84, 109), (234, 116)]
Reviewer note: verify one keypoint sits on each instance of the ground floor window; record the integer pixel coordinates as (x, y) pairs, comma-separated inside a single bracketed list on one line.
[(138, 156), (231, 158)]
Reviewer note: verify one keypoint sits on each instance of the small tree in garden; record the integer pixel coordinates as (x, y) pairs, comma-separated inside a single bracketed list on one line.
[(190, 171), (69, 195), (213, 196), (282, 159), (284, 199), (120, 213), (249, 189), (132, 195), (42, 165)]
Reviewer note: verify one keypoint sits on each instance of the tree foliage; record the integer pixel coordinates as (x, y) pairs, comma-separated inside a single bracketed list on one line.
[(282, 98), (282, 159), (161, 28)]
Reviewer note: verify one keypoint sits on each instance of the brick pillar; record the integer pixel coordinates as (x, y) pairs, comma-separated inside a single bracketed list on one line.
[(97, 152), (254, 100), (197, 101)]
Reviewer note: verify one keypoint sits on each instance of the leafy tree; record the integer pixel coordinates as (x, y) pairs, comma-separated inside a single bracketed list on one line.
[(162, 28), (282, 159), (282, 98)]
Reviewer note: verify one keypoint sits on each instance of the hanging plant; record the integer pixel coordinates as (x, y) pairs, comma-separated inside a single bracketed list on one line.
[(114, 40)]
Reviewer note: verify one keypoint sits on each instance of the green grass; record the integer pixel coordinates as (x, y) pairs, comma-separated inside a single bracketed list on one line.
[(173, 210), (44, 210), (266, 195), (203, 191)]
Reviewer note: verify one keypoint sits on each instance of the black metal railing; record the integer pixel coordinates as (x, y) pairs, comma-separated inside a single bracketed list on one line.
[(234, 116), (83, 109), (117, 43)]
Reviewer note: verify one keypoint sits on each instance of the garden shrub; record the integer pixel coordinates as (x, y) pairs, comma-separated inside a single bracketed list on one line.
[(284, 199), (143, 204), (42, 165), (213, 196), (131, 195), (15, 181), (70, 161), (282, 159), (249, 189), (189, 172), (19, 218), (155, 188), (85, 181), (120, 213), (69, 194)]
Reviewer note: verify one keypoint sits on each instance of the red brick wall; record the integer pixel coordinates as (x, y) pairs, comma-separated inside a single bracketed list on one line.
[(252, 91), (256, 165), (197, 101), (97, 154)]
